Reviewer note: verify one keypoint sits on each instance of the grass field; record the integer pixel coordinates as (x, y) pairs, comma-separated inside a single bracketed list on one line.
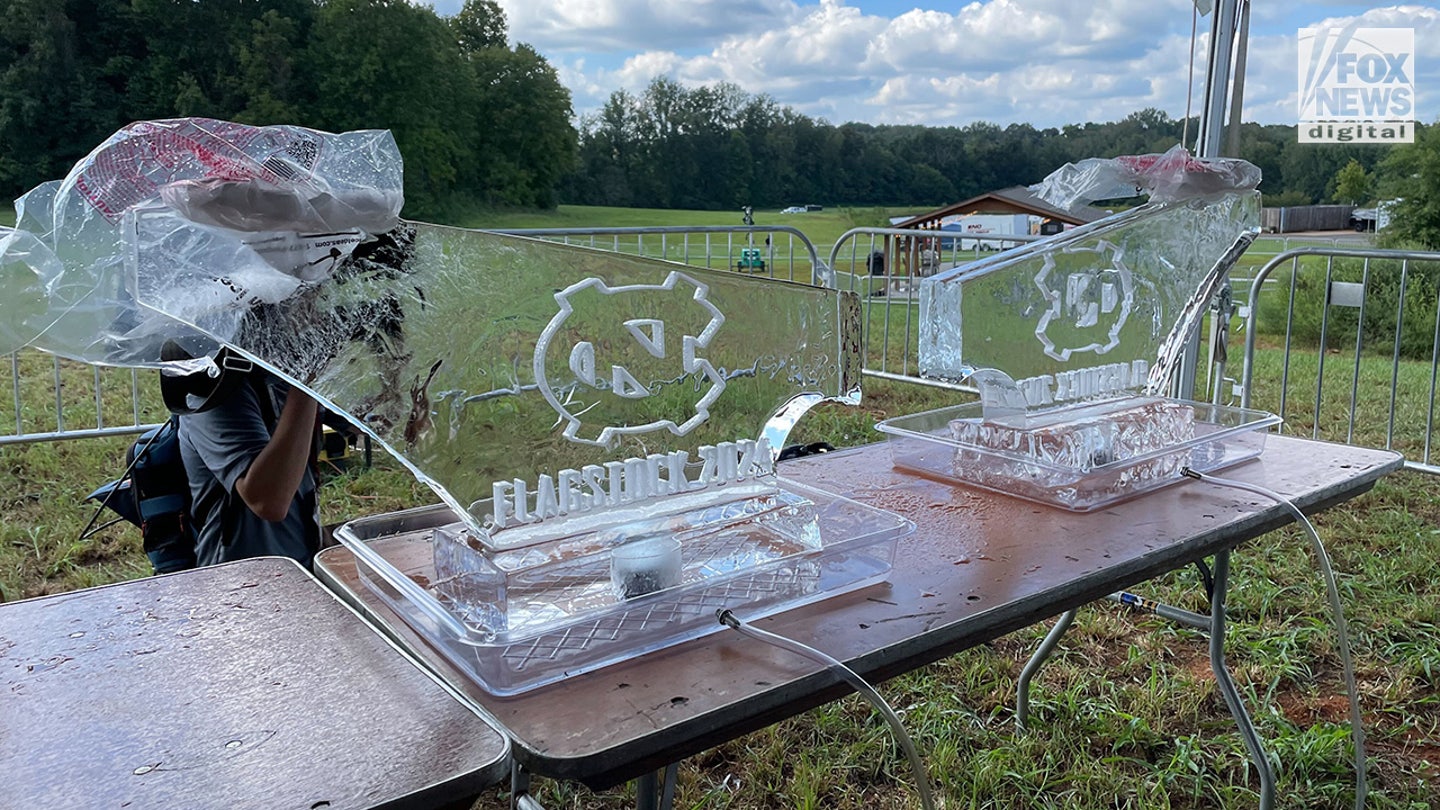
[(1126, 714)]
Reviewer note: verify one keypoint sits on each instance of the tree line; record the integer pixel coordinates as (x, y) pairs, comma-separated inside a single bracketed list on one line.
[(482, 122), (478, 121), (721, 147)]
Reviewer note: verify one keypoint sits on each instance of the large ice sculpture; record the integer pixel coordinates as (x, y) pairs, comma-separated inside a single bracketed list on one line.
[(477, 357), (1101, 308), (602, 428)]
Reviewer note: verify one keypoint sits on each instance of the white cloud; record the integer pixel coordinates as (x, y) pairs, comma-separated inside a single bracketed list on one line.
[(1045, 62), (1004, 60), (608, 25), (1272, 82)]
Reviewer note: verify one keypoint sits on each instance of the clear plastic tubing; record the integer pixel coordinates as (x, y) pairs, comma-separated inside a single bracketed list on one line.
[(1327, 572), (922, 776)]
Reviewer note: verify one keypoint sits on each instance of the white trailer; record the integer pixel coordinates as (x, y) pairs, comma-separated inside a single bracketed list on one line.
[(983, 225)]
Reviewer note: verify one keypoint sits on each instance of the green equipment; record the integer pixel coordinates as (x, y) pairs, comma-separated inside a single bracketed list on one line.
[(751, 261)]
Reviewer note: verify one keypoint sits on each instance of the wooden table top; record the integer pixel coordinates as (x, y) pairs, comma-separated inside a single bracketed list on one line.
[(979, 565), (241, 685)]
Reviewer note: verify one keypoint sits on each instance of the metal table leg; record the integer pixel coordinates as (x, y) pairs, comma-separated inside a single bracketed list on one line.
[(520, 798), (1227, 686), (656, 790), (1022, 690)]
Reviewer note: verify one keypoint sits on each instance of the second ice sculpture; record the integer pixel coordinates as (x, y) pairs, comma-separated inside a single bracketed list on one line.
[(1072, 342)]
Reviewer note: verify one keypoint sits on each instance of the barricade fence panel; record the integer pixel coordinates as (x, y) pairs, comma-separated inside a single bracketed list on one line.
[(1344, 343), (51, 399), (884, 267), (772, 252)]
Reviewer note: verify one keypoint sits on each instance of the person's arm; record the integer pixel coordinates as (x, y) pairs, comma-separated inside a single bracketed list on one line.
[(270, 483)]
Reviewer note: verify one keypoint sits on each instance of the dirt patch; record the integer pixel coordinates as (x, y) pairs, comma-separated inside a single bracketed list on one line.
[(1304, 711)]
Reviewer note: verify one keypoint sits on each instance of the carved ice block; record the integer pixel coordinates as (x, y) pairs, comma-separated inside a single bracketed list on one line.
[(478, 357), (602, 427), (1098, 311), (1070, 340), (520, 591), (1087, 437)]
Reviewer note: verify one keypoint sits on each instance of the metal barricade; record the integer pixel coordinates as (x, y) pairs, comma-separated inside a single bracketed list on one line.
[(53, 399), (771, 251), (883, 266), (1382, 307)]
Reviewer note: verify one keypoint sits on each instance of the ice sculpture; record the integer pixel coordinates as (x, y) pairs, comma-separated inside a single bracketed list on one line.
[(1073, 340), (573, 408), (602, 428), (1101, 308), (479, 358)]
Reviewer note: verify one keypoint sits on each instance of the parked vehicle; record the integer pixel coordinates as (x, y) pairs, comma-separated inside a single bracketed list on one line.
[(751, 261)]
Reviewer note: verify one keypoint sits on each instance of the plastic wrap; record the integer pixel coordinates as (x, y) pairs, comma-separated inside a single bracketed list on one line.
[(27, 268), (1172, 176), (264, 209)]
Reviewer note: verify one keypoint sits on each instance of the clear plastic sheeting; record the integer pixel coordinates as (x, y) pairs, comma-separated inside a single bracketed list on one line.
[(1098, 311), (1173, 176), (27, 268), (266, 194), (478, 358)]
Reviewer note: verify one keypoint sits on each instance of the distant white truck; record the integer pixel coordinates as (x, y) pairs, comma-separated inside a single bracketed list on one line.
[(983, 225)]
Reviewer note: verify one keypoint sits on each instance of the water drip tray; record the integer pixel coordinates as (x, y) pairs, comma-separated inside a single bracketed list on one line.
[(514, 619), (1082, 457)]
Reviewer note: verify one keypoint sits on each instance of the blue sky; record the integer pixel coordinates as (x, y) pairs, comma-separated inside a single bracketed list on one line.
[(1044, 62)]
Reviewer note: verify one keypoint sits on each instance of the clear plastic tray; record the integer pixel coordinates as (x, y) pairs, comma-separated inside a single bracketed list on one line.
[(1057, 459), (586, 623)]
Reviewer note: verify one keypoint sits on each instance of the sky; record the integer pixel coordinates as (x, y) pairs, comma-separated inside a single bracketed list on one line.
[(1042, 62)]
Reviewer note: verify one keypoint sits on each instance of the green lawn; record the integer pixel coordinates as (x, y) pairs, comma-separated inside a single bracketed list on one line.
[(822, 227)]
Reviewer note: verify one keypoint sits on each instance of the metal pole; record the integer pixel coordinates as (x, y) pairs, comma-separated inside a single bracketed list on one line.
[(1258, 757), (1217, 79), (1032, 667), (1212, 129), (1237, 96)]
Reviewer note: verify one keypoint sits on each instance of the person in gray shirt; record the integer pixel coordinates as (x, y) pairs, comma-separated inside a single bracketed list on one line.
[(252, 483)]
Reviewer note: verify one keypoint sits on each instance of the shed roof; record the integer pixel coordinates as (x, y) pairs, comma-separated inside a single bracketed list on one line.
[(1013, 200)]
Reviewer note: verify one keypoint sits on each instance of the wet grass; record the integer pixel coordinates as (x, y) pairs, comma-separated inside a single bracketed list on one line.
[(1125, 715)]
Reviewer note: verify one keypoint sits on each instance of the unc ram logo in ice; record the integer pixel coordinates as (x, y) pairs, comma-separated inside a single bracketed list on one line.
[(613, 353), (1086, 309)]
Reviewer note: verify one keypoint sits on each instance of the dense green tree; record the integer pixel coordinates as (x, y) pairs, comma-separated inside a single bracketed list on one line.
[(269, 77), (1410, 177), (41, 72), (392, 65), (478, 122), (480, 25), (1352, 184), (521, 113)]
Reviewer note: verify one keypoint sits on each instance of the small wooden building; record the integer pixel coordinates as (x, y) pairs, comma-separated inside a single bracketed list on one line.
[(903, 255)]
